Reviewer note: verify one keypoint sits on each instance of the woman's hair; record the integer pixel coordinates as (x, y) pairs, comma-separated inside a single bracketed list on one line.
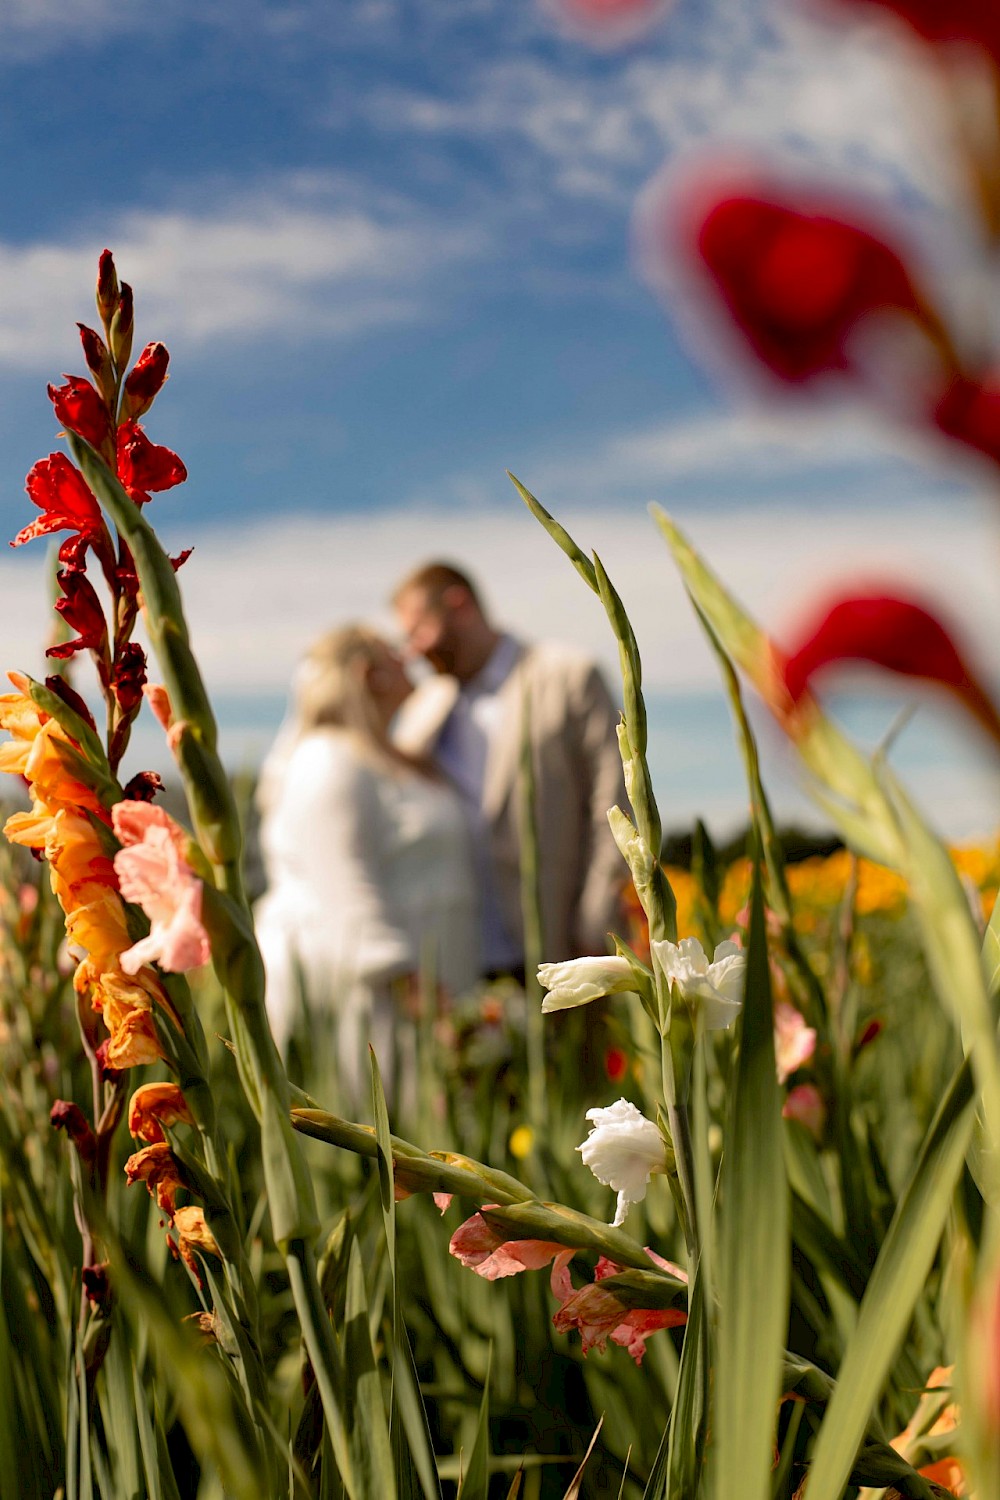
[(330, 687)]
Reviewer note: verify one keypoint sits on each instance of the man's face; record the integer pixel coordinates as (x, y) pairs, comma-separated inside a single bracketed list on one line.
[(430, 629)]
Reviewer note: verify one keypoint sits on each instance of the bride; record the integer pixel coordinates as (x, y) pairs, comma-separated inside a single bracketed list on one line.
[(368, 857)]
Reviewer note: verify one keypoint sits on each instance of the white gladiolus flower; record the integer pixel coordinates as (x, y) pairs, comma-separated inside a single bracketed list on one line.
[(713, 990), (623, 1150), (580, 980)]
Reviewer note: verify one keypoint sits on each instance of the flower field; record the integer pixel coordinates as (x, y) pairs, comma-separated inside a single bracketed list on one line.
[(713, 1213)]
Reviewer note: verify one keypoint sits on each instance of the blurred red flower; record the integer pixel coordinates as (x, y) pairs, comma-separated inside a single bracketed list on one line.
[(945, 21), (798, 283), (896, 634), (969, 410)]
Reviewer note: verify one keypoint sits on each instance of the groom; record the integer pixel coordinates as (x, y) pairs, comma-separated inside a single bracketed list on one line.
[(469, 719)]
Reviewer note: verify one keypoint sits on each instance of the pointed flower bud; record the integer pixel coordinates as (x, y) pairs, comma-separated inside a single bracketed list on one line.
[(107, 287), (623, 1150), (896, 634), (580, 980), (714, 991), (144, 381), (122, 327)]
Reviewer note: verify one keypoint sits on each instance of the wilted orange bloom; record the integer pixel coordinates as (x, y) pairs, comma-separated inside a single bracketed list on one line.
[(153, 1106), (126, 1003), (157, 1168), (194, 1234)]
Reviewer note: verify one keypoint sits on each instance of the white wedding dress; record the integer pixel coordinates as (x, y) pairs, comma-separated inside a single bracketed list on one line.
[(370, 876)]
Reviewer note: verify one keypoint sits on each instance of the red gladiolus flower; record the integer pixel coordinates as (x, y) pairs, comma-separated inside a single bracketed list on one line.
[(896, 634), (79, 407), (59, 491), (949, 21), (81, 609), (129, 676), (144, 381), (799, 283), (144, 466)]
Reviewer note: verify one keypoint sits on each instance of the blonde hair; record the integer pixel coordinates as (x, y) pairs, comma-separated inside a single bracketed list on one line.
[(330, 687)]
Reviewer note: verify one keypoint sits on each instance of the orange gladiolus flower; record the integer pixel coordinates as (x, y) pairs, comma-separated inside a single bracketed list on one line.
[(153, 1106), (156, 1167)]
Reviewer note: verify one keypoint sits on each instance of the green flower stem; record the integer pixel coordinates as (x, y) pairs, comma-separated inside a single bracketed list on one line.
[(229, 923)]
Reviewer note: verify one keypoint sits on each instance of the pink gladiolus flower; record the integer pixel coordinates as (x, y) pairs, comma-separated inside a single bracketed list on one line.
[(794, 1041), (482, 1250), (153, 872), (896, 634), (805, 1103), (598, 1315)]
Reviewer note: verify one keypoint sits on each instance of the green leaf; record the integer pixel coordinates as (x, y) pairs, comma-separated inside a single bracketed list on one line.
[(289, 1187), (476, 1480), (364, 1411), (894, 1288), (753, 1246), (689, 1418)]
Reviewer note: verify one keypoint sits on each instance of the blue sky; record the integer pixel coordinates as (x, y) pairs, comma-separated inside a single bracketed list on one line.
[(390, 245)]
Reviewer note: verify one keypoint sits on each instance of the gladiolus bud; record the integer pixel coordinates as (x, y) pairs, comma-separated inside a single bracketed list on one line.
[(144, 381), (577, 981), (122, 327), (107, 287), (95, 351), (896, 634)]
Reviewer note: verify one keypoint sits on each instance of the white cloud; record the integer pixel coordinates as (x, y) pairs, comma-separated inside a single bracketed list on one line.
[(749, 73), (298, 259)]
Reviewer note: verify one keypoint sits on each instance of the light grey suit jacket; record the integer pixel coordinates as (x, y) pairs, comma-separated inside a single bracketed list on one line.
[(578, 777)]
